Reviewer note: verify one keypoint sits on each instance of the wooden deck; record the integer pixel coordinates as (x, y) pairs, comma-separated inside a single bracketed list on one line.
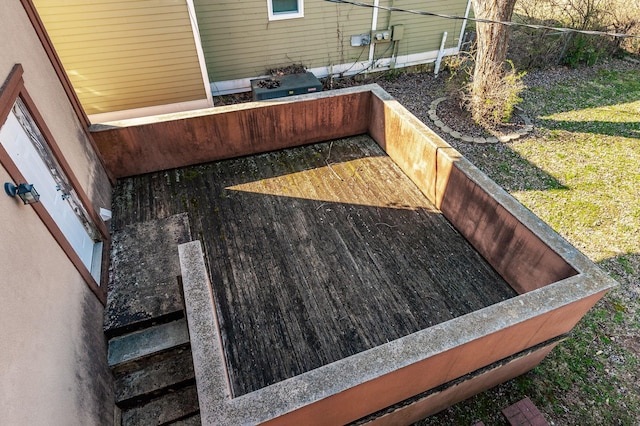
[(315, 254)]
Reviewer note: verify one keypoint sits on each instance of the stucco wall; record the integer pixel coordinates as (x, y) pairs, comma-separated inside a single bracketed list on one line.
[(20, 44), (53, 358)]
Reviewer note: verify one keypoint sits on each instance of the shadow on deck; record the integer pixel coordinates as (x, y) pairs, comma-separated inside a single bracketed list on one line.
[(342, 294), (316, 253)]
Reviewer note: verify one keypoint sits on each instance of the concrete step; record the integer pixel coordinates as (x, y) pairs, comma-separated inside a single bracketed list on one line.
[(146, 323), (132, 347), (170, 407), (143, 283), (154, 376), (193, 420)]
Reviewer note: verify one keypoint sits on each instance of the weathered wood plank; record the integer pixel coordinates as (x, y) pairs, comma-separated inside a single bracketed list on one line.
[(317, 253)]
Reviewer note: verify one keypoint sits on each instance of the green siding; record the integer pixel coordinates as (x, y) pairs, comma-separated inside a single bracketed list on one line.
[(424, 33), (239, 41)]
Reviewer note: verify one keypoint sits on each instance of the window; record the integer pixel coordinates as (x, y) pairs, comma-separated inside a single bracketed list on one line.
[(23, 140), (285, 9), (28, 152)]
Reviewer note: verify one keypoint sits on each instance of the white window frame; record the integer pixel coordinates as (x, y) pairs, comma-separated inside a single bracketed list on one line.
[(28, 149), (285, 15)]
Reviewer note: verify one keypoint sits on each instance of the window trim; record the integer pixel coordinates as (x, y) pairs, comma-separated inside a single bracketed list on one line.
[(12, 89), (285, 15)]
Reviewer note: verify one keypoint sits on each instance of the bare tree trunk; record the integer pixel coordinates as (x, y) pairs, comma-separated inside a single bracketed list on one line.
[(492, 42)]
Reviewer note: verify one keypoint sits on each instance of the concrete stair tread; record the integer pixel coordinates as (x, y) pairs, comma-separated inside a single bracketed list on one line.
[(144, 343), (171, 407), (194, 420), (155, 376), (143, 283)]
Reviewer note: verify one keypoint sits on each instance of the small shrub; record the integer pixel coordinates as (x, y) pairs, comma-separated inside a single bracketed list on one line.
[(532, 48), (497, 99), (627, 21), (587, 50), (460, 69), (513, 86), (393, 74), (542, 48), (499, 95)]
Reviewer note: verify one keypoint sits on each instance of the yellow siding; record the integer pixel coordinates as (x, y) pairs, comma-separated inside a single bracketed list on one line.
[(239, 41), (125, 54)]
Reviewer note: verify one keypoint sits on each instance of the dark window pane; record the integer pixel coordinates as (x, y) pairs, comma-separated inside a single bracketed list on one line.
[(285, 6)]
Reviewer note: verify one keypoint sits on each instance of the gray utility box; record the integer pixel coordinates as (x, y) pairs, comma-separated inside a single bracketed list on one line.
[(284, 85)]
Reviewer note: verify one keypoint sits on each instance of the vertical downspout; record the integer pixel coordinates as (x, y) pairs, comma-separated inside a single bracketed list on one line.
[(200, 52), (464, 24), (374, 24)]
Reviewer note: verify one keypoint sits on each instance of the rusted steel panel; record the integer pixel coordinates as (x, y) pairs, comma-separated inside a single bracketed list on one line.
[(404, 383), (266, 223), (183, 139), (438, 401), (515, 251)]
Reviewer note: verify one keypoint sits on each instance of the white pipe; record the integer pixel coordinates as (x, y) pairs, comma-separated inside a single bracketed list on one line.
[(199, 51), (464, 24), (440, 53), (374, 23)]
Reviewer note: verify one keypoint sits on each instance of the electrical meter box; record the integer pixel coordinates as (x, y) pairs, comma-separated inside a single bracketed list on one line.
[(284, 85), (397, 32)]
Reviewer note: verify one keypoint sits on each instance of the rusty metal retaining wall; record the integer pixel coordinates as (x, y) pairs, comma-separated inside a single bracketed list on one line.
[(557, 285)]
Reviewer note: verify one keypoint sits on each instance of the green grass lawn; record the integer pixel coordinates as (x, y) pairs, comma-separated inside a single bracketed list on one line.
[(580, 173), (589, 141)]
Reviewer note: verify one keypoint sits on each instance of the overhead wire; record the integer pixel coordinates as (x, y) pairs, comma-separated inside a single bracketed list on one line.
[(486, 21)]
